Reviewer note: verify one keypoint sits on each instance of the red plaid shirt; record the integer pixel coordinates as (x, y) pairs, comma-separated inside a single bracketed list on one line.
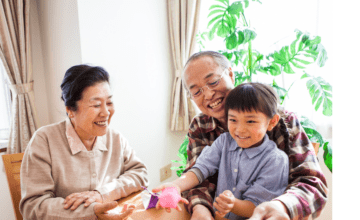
[(307, 190)]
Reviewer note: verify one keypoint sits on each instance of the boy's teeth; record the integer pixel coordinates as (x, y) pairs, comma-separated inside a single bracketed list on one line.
[(101, 122)]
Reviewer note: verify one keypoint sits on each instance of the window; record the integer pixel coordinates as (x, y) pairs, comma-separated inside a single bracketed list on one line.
[(275, 22), (5, 107)]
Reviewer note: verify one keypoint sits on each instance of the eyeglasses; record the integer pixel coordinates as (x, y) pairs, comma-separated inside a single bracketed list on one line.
[(211, 85)]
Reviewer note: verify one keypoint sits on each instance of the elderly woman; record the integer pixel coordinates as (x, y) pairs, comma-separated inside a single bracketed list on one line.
[(74, 169)]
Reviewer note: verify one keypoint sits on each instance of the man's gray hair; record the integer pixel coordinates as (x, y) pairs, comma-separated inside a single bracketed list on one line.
[(219, 59)]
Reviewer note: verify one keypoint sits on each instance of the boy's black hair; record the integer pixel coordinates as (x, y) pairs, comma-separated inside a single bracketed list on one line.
[(252, 96)]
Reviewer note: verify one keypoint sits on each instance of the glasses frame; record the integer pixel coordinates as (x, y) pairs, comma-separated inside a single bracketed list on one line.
[(207, 86)]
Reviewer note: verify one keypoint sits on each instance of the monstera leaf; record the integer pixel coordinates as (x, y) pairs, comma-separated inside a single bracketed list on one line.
[(303, 51), (182, 154), (328, 156), (240, 77), (315, 136), (320, 92), (200, 38), (224, 20), (280, 91)]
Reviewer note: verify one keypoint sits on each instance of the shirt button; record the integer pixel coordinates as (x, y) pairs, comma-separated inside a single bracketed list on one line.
[(94, 175), (91, 153), (235, 170), (234, 189)]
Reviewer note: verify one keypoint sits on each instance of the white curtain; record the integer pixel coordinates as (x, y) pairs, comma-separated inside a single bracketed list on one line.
[(184, 22), (15, 54)]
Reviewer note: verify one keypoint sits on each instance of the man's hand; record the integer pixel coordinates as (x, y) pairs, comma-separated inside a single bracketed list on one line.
[(224, 203), (102, 214), (274, 210), (201, 212), (76, 199)]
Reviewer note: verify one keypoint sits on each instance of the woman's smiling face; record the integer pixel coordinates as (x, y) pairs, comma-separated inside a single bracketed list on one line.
[(94, 111)]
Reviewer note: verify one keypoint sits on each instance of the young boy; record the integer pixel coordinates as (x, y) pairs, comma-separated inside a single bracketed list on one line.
[(251, 168)]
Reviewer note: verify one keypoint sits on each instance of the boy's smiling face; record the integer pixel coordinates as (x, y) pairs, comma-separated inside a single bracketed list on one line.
[(248, 128)]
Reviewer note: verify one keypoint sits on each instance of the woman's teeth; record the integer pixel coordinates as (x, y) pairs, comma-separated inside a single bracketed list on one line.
[(101, 123), (215, 104)]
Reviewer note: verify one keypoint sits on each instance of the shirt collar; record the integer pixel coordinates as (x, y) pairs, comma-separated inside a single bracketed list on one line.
[(254, 151), (75, 143), (215, 124)]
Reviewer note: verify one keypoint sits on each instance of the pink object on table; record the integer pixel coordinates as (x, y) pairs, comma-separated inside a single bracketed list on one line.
[(169, 197)]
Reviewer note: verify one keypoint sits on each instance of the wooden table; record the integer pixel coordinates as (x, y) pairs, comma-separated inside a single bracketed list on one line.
[(141, 214)]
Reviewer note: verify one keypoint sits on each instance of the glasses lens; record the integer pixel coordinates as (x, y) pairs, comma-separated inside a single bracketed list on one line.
[(212, 84)]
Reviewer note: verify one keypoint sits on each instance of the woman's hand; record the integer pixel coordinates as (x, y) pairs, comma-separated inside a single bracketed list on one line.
[(166, 185), (102, 214), (76, 199), (224, 203)]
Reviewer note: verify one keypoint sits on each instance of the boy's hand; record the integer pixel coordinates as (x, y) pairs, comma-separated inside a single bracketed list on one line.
[(224, 203), (166, 185)]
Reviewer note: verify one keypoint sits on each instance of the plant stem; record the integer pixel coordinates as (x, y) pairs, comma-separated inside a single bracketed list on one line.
[(249, 49), (249, 64), (287, 91), (244, 19)]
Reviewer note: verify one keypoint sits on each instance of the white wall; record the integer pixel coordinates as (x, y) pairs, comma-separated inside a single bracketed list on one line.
[(41, 97), (130, 39), (59, 50)]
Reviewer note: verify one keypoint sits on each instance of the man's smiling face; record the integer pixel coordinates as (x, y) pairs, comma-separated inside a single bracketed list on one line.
[(204, 71)]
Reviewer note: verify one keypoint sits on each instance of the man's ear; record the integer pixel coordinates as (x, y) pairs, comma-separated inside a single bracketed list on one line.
[(273, 122), (232, 75)]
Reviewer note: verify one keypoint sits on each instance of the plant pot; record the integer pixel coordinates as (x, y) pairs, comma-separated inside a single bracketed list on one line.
[(316, 147)]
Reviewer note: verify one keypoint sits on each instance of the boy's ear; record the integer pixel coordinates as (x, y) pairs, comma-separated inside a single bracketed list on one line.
[(273, 122)]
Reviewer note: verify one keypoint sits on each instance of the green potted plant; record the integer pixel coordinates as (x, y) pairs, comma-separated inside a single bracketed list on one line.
[(228, 22)]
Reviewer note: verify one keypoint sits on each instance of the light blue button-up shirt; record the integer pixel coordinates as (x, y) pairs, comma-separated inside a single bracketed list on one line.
[(256, 174)]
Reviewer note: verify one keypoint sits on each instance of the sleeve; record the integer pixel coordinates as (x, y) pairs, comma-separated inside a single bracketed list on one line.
[(133, 176), (203, 193), (209, 160), (307, 190), (271, 181), (37, 187)]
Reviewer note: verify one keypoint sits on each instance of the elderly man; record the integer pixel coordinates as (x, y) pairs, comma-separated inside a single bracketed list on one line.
[(208, 83)]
